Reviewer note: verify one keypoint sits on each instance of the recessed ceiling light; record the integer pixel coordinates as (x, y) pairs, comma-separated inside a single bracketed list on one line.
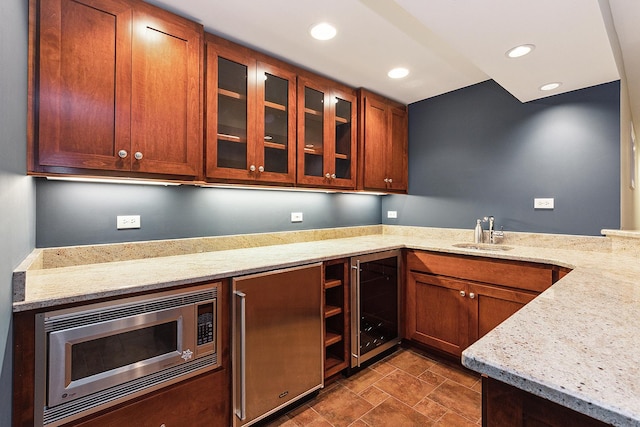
[(550, 86), (398, 73), (323, 31), (522, 50)]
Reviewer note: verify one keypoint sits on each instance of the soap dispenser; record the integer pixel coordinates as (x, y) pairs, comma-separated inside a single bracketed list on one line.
[(478, 234)]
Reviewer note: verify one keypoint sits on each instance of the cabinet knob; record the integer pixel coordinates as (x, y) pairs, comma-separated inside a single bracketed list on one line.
[(390, 181), (138, 155), (333, 176), (261, 169), (122, 154), (472, 295), (252, 168), (463, 293), (327, 175)]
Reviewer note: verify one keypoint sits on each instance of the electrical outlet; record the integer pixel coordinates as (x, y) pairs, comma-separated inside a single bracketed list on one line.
[(543, 203), (296, 216), (127, 221), (392, 214)]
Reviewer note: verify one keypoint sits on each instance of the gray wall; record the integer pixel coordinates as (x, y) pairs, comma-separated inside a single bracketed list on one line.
[(71, 213), (478, 151), (17, 196)]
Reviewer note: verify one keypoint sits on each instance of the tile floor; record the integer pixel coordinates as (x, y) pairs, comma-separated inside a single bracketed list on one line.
[(404, 389)]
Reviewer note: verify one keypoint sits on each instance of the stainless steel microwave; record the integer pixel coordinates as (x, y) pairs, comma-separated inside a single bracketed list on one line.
[(98, 355)]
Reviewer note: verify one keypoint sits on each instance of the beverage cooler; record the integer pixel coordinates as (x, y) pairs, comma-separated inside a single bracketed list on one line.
[(375, 302)]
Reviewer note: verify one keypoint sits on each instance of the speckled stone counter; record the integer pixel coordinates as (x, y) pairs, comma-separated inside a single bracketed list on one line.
[(575, 344)]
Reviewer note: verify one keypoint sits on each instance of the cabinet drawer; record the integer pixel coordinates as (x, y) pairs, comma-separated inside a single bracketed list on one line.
[(515, 274)]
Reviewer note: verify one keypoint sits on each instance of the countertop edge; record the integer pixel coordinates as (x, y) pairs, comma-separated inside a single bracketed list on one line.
[(601, 411)]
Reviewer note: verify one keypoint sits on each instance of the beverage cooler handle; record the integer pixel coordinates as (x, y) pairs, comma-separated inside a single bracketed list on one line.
[(242, 413), (355, 349)]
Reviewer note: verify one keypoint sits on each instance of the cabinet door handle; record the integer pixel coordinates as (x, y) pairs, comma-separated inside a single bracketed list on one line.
[(138, 155), (261, 169), (463, 294), (242, 339), (472, 295), (252, 168), (390, 180), (122, 154), (333, 176), (327, 175)]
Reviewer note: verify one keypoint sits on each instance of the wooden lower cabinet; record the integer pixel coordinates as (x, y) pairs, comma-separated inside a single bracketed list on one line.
[(507, 406), (491, 305), (195, 402), (203, 400), (450, 313), (336, 317), (436, 313)]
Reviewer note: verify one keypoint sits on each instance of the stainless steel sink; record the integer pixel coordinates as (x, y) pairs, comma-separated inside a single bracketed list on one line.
[(483, 247)]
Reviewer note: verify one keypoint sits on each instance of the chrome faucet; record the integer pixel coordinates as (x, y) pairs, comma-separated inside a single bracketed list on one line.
[(492, 232), (491, 220)]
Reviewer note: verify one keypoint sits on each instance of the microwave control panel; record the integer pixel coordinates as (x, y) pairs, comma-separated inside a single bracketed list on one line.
[(206, 323)]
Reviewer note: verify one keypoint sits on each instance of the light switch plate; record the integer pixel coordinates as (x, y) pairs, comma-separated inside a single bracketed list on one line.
[(127, 221)]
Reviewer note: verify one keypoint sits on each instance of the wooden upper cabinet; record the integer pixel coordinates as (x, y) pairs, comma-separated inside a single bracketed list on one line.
[(250, 115), (326, 133), (383, 144), (117, 88)]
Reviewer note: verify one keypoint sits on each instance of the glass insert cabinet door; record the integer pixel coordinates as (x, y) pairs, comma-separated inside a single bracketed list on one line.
[(276, 126), (326, 136), (250, 118)]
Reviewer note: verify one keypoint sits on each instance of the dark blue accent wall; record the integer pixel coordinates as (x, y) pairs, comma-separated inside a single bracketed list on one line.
[(478, 151), (73, 213), (17, 191)]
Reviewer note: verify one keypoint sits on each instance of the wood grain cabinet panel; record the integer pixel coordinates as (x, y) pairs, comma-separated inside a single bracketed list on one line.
[(116, 89), (436, 312), (382, 143), (452, 301)]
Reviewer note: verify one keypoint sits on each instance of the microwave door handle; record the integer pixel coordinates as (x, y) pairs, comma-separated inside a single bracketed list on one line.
[(242, 413)]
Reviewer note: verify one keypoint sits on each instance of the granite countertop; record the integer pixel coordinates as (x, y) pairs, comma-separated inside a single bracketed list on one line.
[(581, 328)]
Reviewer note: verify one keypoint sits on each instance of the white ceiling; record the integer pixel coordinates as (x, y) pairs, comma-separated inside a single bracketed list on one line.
[(447, 44)]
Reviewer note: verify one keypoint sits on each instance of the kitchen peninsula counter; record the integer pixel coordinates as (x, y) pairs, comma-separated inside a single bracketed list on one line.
[(575, 344)]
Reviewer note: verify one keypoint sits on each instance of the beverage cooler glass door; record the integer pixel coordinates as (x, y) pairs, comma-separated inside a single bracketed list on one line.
[(375, 317)]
